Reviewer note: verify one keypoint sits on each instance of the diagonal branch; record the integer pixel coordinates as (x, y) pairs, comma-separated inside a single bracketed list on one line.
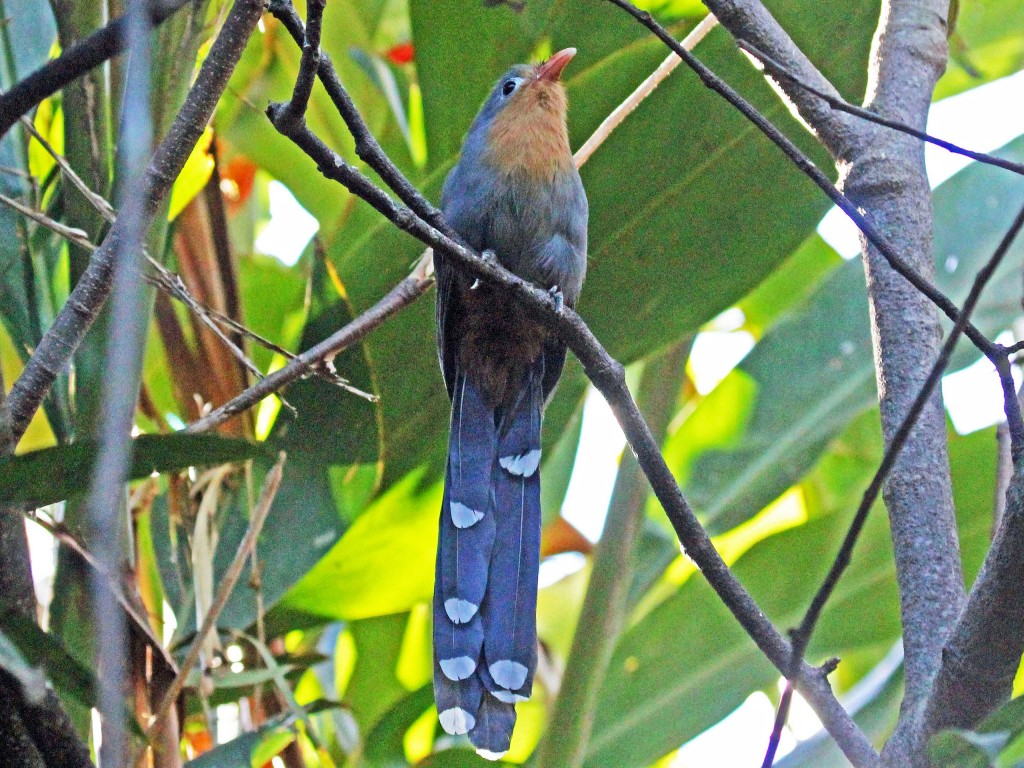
[(609, 377), (93, 288), (781, 72), (751, 20), (227, 584), (399, 297), (75, 62), (809, 169)]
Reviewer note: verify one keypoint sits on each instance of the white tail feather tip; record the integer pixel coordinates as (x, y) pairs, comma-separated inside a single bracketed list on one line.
[(508, 696), (508, 674), (463, 516), (458, 668), (486, 754), (525, 464), (456, 721), (458, 610)]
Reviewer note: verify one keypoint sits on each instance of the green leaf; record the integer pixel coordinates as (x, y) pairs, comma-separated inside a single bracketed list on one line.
[(385, 741), (374, 687), (70, 677), (813, 371), (988, 43), (304, 503), (359, 577), (705, 233), (667, 683), (52, 474), (979, 748), (243, 751)]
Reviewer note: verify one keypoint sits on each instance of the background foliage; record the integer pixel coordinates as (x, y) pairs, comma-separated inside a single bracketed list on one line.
[(692, 213)]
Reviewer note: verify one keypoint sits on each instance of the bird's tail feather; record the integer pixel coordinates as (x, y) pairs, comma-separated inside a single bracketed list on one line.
[(485, 593), (465, 541), (509, 610)]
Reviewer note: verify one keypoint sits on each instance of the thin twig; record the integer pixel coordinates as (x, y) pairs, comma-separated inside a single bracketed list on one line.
[(227, 583), (172, 284), (141, 623), (801, 636), (73, 234), (100, 203), (645, 89), (780, 71), (399, 297), (808, 168)]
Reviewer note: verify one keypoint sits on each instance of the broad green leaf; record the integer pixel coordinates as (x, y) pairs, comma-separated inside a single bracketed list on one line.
[(981, 747), (988, 43), (247, 750), (193, 177), (813, 371), (667, 682), (385, 742), (303, 523), (52, 474), (70, 677), (374, 687), (384, 563), (656, 269)]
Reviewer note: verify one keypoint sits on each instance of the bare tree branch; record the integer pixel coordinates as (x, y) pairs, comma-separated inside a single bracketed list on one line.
[(312, 360), (750, 20), (884, 173), (83, 305), (608, 376), (122, 356), (802, 635), (779, 71), (982, 655), (73, 63)]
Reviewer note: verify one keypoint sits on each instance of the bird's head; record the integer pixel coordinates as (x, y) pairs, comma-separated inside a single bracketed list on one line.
[(522, 123)]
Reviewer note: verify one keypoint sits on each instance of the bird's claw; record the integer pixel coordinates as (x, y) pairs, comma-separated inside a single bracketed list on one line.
[(486, 255), (556, 294)]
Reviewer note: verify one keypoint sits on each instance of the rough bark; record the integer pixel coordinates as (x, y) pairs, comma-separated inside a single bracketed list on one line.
[(883, 172)]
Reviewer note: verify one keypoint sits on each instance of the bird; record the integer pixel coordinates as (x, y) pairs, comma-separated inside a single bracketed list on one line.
[(515, 196)]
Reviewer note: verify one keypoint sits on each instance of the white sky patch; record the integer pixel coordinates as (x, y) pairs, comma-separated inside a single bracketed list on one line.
[(290, 228), (597, 463), (973, 395), (982, 119), (738, 740), (714, 354)]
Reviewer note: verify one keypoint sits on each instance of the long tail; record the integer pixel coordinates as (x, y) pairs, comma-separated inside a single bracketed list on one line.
[(485, 648)]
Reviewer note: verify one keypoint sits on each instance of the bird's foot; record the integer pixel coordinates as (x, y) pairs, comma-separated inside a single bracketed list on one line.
[(556, 294)]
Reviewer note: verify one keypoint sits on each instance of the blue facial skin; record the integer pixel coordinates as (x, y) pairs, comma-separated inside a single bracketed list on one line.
[(515, 193)]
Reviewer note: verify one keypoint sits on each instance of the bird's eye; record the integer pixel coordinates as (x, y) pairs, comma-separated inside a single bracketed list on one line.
[(507, 87)]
